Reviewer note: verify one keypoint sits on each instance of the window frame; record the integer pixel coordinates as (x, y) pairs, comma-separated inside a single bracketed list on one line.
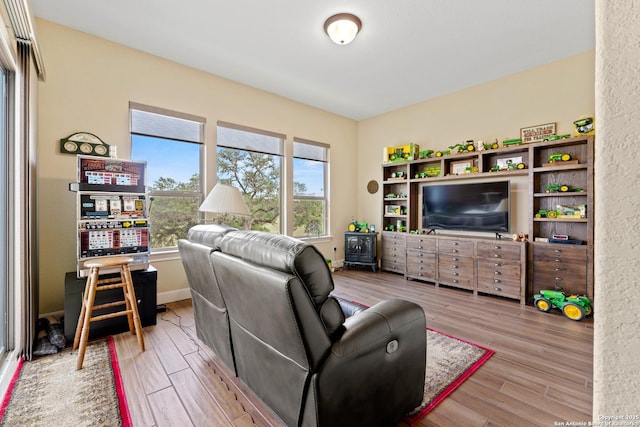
[(5, 203), (276, 150), (199, 139), (325, 197)]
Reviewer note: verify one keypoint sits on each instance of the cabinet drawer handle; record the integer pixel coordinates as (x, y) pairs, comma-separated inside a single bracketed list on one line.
[(420, 247), (497, 281), (497, 265), (455, 266), (420, 268), (558, 251), (497, 273), (497, 289), (455, 273), (557, 260), (497, 247), (558, 279), (420, 261), (455, 243), (456, 259), (558, 269), (455, 281), (496, 256), (455, 251)]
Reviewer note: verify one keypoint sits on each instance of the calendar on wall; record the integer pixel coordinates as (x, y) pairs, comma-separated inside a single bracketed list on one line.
[(112, 212)]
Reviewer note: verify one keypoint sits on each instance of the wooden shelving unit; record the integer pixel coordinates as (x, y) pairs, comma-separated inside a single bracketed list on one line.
[(547, 265), (414, 175), (554, 265)]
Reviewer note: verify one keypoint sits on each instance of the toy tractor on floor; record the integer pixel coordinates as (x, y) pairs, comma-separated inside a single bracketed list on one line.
[(575, 307)]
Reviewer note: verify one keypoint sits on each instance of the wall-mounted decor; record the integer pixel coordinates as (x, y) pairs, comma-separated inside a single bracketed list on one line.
[(372, 186), (84, 143), (537, 133)]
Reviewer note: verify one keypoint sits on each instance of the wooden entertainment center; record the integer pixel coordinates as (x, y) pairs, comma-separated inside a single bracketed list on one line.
[(503, 267)]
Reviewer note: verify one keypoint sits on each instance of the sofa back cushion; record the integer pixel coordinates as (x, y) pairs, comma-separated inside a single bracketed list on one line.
[(282, 253), (292, 256), (208, 234), (278, 338), (210, 311)]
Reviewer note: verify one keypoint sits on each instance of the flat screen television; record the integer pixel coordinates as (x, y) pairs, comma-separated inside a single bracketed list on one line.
[(484, 206)]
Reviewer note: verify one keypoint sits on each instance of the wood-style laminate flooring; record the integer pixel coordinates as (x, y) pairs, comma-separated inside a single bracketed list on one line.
[(541, 373)]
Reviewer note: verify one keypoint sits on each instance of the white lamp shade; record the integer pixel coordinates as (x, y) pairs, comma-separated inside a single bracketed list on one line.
[(342, 28), (224, 199)]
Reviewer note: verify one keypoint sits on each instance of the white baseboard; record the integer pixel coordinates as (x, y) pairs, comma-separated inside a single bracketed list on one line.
[(171, 296)]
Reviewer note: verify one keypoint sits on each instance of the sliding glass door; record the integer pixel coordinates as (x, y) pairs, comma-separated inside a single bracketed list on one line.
[(4, 206)]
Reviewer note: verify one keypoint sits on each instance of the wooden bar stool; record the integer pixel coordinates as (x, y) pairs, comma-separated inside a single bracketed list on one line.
[(94, 284)]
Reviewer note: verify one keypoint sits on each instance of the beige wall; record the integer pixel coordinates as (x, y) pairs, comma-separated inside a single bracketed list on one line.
[(616, 382), (558, 92), (90, 82)]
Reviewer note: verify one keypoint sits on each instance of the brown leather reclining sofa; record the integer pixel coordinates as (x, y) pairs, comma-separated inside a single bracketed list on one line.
[(262, 302)]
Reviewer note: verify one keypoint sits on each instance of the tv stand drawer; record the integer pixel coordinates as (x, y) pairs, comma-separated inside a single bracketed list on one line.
[(455, 247), (498, 250), (480, 264)]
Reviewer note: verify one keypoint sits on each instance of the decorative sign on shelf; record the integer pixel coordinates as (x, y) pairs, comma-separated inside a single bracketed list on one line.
[(84, 143), (537, 133)]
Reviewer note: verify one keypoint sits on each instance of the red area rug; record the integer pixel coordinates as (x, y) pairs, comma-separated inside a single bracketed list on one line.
[(450, 361), (48, 391)]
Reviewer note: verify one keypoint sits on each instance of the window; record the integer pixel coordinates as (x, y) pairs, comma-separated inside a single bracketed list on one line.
[(171, 143), (251, 160), (310, 188)]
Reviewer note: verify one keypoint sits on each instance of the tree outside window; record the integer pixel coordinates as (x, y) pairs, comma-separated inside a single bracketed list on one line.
[(251, 160)]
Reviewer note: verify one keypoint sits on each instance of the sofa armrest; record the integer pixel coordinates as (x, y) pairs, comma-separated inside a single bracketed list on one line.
[(376, 367), (349, 308)]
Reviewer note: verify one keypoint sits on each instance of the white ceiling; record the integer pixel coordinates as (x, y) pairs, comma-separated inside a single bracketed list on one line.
[(408, 50)]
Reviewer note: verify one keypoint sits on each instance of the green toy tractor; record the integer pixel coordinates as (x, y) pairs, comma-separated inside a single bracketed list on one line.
[(575, 307), (425, 154), (514, 141), (559, 157), (562, 188), (467, 146), (443, 153), (556, 137), (491, 145), (358, 226), (544, 213)]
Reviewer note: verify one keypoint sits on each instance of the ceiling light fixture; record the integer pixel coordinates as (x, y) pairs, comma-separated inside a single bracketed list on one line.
[(342, 28)]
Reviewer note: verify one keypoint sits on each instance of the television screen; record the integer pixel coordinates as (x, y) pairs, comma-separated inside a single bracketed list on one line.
[(468, 207)]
